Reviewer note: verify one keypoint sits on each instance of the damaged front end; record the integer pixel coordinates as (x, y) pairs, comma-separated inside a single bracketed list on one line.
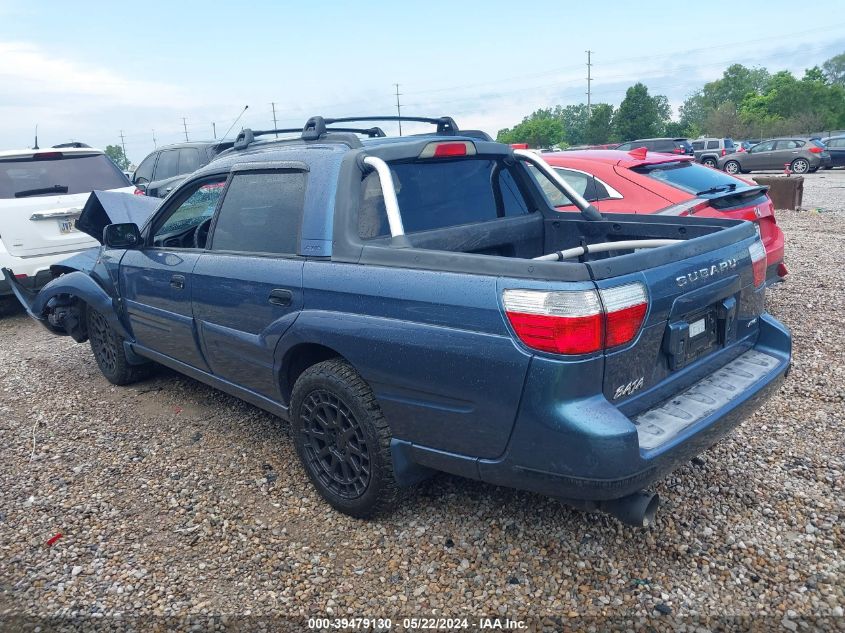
[(87, 278)]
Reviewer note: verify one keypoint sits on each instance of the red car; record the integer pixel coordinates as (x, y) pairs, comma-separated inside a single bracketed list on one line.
[(642, 182)]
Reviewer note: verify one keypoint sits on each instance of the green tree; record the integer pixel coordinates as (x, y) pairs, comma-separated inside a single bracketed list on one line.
[(600, 124), (115, 152), (638, 116), (834, 69), (814, 74), (574, 119), (540, 129)]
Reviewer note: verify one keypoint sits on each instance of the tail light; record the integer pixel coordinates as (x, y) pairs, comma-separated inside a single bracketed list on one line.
[(724, 152), (576, 322), (678, 150), (448, 149), (816, 150), (139, 192), (758, 262)]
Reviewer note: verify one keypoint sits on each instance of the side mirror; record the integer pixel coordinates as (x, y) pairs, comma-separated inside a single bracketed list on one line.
[(122, 235), (141, 185)]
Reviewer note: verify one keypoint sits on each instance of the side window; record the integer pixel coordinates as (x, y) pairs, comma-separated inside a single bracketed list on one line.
[(144, 173), (168, 164), (787, 145), (698, 145), (837, 142), (590, 188), (625, 147), (768, 146), (177, 226), (712, 144), (189, 160), (261, 213)]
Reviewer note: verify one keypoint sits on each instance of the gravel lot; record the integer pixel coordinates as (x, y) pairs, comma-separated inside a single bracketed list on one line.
[(175, 499)]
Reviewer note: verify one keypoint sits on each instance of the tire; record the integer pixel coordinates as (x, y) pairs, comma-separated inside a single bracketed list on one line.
[(800, 166), (732, 167), (709, 162), (107, 347), (343, 440)]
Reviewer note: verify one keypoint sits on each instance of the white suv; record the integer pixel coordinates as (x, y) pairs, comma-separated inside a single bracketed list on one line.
[(42, 192)]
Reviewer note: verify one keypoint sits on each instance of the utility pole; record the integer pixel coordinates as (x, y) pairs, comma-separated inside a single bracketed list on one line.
[(589, 80), (123, 144), (155, 145), (398, 108), (185, 125), (275, 127), (214, 129)]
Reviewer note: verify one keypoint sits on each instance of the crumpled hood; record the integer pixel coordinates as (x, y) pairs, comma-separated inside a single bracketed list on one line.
[(111, 207)]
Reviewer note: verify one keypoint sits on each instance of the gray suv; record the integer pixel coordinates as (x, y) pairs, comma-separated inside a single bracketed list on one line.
[(708, 151), (801, 155)]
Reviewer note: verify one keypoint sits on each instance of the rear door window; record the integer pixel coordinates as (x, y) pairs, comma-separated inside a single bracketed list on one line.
[(168, 165), (189, 160), (789, 144), (712, 144), (688, 176), (261, 213), (768, 146), (439, 194), (57, 173), (698, 145)]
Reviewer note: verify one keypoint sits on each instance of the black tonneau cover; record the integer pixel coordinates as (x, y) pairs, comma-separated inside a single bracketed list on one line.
[(113, 207)]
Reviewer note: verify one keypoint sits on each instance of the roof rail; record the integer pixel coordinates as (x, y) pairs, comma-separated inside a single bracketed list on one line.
[(317, 127), (311, 132)]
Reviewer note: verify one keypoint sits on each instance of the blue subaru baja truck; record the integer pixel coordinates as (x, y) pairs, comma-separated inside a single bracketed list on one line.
[(415, 304)]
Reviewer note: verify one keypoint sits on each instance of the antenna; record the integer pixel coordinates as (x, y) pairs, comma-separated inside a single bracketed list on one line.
[(36, 137), (233, 124)]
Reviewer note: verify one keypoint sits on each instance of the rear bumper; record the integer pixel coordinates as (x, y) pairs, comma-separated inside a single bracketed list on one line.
[(589, 450)]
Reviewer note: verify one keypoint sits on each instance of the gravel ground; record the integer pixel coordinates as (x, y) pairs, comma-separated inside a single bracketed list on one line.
[(175, 499)]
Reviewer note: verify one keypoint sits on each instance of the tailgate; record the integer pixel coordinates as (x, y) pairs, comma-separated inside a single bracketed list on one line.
[(703, 310), (43, 225)]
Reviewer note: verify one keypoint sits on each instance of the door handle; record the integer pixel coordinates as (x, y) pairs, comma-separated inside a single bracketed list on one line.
[(280, 297), (177, 281)]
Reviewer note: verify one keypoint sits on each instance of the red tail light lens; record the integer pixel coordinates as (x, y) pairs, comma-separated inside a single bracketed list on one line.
[(724, 152), (576, 322), (816, 150), (678, 150), (448, 149), (139, 192), (758, 262), (625, 308)]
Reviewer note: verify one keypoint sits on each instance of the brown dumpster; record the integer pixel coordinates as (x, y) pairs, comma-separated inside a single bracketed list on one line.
[(786, 192)]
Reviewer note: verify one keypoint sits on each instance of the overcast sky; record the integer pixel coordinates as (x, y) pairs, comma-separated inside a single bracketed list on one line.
[(87, 70)]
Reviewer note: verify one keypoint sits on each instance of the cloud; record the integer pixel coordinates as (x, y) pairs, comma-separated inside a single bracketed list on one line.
[(29, 75)]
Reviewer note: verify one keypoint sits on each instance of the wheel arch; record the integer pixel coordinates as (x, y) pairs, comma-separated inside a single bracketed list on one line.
[(299, 358)]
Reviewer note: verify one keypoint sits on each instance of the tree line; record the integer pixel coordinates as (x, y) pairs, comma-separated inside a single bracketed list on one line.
[(745, 103)]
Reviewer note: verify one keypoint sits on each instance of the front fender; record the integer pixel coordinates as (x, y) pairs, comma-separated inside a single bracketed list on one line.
[(76, 284)]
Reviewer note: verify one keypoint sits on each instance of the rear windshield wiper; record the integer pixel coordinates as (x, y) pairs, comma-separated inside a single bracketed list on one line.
[(718, 189), (36, 192)]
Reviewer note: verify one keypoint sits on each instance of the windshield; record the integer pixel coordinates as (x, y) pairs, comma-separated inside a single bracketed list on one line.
[(691, 177), (57, 174)]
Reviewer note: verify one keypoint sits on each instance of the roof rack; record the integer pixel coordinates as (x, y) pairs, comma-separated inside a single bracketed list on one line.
[(316, 128)]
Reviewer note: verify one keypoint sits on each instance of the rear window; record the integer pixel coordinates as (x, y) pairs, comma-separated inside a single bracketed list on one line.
[(439, 194), (690, 177), (64, 174)]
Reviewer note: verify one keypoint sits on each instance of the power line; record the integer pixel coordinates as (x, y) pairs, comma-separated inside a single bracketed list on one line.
[(589, 79), (398, 108), (123, 144)]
